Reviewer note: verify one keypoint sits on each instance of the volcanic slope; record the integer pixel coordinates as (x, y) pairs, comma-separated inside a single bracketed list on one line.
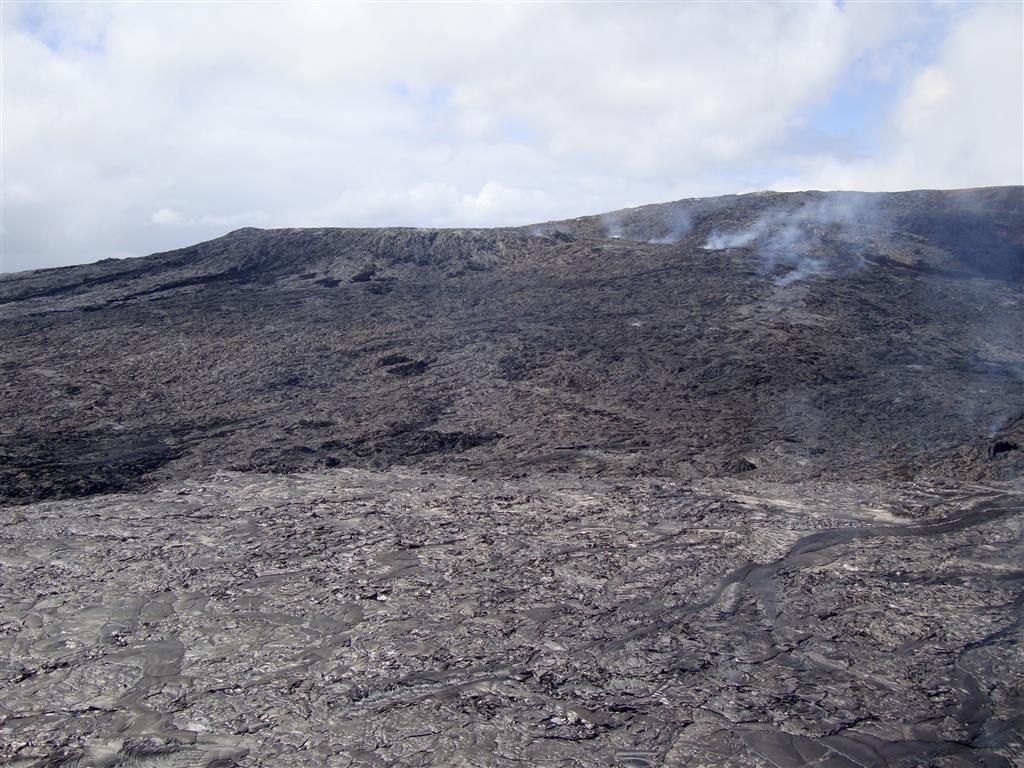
[(722, 483), (788, 335)]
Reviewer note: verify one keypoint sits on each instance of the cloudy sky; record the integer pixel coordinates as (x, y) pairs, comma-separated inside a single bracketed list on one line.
[(135, 128)]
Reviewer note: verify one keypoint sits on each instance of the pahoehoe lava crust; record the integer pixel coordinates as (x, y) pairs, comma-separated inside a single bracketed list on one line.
[(347, 617)]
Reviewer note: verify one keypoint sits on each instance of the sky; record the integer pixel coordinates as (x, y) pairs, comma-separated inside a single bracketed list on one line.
[(133, 128)]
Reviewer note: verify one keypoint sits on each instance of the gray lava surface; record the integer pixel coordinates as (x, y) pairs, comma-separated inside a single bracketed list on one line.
[(352, 618)]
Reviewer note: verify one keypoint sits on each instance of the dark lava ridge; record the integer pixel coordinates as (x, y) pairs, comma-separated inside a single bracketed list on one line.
[(791, 335)]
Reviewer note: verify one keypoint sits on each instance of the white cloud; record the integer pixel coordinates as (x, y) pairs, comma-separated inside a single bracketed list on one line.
[(960, 123), (172, 217), (424, 202), (18, 192), (166, 216), (438, 204), (223, 115), (496, 203)]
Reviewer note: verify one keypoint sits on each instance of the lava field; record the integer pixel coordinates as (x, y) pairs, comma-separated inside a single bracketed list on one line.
[(720, 482)]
